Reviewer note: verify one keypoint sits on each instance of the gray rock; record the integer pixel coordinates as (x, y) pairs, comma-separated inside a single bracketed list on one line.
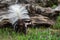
[(40, 15)]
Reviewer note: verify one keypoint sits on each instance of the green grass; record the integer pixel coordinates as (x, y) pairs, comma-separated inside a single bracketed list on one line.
[(32, 34), (57, 25)]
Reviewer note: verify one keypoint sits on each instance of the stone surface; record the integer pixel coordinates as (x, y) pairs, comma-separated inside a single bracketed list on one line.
[(40, 15)]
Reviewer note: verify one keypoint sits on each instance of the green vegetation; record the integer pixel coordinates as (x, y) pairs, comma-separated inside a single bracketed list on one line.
[(54, 6), (57, 25), (32, 34)]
